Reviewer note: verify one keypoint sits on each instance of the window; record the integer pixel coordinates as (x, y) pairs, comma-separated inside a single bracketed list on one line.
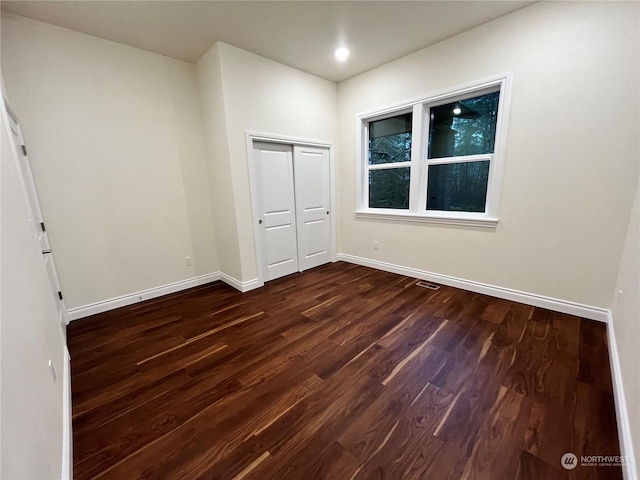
[(437, 159), (390, 162)]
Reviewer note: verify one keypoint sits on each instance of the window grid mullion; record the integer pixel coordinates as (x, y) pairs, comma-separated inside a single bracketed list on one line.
[(385, 166), (460, 159), (417, 140), (423, 168)]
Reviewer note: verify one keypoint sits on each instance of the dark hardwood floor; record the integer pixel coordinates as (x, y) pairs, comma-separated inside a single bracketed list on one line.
[(342, 372)]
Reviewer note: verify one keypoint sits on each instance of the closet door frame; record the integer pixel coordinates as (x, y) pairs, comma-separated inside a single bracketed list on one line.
[(250, 138)]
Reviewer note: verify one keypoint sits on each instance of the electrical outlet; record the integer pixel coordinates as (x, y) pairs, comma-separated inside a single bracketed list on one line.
[(187, 261), (376, 244)]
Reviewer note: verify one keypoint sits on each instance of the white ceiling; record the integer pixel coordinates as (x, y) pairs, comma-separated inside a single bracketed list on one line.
[(301, 34)]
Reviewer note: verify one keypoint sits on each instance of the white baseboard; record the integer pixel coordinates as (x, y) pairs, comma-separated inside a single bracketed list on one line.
[(238, 285), (630, 469), (586, 311), (124, 300), (67, 428)]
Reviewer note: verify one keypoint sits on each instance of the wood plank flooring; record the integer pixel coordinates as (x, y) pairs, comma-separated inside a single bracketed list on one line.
[(342, 372)]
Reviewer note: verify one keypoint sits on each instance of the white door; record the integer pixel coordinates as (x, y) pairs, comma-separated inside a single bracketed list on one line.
[(274, 169), (313, 200), (36, 217)]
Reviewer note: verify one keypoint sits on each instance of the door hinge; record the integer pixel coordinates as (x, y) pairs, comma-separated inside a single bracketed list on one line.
[(24, 150), (59, 294), (43, 227)]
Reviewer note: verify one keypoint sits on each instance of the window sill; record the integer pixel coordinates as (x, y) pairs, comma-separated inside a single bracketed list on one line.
[(459, 220)]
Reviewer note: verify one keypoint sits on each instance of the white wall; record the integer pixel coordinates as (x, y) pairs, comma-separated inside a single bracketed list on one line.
[(264, 96), (116, 143), (212, 105), (625, 310), (31, 430), (571, 156)]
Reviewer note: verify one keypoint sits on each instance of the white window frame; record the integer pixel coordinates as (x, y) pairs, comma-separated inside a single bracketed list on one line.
[(419, 163)]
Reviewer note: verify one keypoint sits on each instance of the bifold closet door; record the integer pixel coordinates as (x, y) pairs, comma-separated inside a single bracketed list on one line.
[(313, 205), (274, 169)]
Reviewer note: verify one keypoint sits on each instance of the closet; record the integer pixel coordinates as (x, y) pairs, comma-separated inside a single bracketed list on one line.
[(293, 190)]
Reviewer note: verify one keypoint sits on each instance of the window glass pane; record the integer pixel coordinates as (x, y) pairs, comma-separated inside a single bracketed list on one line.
[(465, 127), (459, 187), (390, 140), (389, 188)]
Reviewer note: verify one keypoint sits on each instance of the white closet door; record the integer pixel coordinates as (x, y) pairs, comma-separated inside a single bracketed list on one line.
[(35, 212), (274, 166), (313, 206)]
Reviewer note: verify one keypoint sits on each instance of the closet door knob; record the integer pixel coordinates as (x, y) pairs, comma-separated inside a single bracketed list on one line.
[(260, 221)]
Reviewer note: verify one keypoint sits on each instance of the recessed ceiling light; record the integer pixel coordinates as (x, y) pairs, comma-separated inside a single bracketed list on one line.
[(342, 54), (457, 111)]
